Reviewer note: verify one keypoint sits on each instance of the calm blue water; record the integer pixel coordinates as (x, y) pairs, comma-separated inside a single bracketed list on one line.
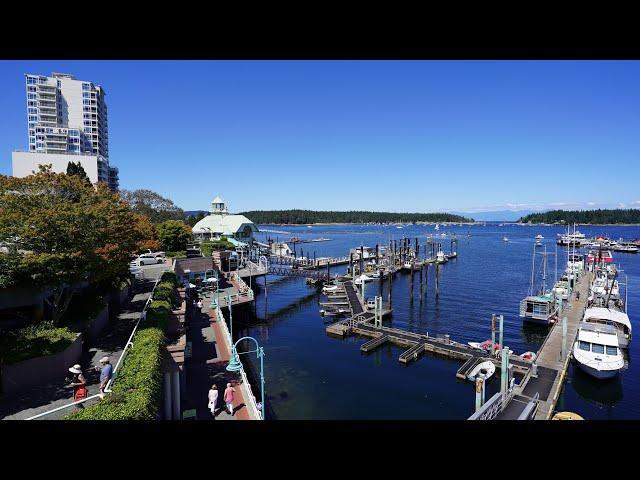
[(310, 375)]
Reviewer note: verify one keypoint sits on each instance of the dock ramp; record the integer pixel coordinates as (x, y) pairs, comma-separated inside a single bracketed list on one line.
[(412, 353), (374, 343)]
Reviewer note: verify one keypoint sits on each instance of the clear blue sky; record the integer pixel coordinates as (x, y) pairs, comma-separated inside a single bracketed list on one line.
[(378, 135)]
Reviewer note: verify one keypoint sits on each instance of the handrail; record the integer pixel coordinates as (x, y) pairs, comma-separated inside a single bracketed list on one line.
[(115, 369), (253, 405)]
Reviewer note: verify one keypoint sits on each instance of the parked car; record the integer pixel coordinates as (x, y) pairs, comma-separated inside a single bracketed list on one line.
[(149, 259), (156, 254)]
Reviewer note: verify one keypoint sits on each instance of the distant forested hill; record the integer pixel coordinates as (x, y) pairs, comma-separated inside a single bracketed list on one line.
[(595, 217), (311, 216)]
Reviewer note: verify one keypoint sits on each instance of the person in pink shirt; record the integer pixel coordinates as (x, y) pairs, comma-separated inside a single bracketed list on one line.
[(228, 398)]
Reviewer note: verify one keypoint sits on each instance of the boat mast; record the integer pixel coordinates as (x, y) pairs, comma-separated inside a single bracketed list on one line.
[(533, 267), (544, 272)]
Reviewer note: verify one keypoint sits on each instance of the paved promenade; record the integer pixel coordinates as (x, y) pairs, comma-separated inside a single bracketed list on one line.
[(57, 394)]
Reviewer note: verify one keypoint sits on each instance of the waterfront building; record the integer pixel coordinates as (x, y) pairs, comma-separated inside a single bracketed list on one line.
[(222, 224), (66, 122)]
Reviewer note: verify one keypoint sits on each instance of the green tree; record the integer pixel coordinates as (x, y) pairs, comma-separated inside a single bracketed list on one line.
[(61, 232), (153, 205), (173, 235), (77, 169)]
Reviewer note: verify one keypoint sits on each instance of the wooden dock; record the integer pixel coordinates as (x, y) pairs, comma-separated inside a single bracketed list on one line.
[(546, 384)]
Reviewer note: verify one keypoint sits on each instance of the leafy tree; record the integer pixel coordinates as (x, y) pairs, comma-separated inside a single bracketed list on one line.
[(173, 235), (62, 232), (149, 233), (595, 217), (153, 205), (77, 169)]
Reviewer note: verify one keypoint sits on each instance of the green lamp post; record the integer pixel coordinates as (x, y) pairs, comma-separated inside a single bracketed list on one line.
[(235, 365)]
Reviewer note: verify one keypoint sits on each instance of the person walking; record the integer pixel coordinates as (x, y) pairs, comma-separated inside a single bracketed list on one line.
[(228, 398), (79, 383), (106, 372), (213, 400)]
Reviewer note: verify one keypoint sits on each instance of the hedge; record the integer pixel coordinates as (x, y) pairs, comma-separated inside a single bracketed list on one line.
[(137, 392), (165, 291), (170, 276), (34, 341)]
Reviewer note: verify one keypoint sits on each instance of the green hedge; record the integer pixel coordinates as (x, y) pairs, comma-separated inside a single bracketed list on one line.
[(137, 391), (207, 247), (34, 341), (165, 291), (170, 276)]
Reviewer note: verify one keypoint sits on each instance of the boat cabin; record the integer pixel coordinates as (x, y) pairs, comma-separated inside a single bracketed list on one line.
[(539, 309)]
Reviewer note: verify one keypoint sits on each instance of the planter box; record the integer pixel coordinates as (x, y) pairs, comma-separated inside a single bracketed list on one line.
[(39, 371)]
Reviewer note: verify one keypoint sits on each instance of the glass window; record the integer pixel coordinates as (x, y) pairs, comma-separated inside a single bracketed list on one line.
[(612, 350), (33, 118), (31, 80), (86, 86), (31, 96), (586, 346), (86, 102), (597, 348), (33, 110)]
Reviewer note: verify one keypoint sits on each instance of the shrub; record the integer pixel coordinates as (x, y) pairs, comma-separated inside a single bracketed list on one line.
[(170, 276), (138, 390), (34, 341), (207, 247), (165, 291)]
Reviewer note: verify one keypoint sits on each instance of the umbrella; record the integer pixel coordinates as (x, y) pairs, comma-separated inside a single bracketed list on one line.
[(211, 280)]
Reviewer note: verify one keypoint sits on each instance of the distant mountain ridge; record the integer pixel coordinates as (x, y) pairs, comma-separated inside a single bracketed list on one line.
[(498, 215)]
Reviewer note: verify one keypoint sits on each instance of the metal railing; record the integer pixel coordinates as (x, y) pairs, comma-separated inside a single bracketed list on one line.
[(251, 399), (115, 369), (491, 409)]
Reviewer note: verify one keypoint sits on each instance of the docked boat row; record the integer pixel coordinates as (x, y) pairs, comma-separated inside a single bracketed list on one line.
[(605, 333)]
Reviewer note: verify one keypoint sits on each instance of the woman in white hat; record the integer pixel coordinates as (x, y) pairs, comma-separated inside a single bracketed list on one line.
[(78, 382)]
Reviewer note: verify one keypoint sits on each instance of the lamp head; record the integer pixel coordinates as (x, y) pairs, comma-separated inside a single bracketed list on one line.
[(234, 362)]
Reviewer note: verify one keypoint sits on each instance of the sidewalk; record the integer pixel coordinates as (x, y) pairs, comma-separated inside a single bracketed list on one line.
[(207, 366), (110, 343)]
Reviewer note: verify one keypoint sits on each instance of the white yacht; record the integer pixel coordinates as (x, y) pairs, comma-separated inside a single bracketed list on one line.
[(611, 316), (597, 350)]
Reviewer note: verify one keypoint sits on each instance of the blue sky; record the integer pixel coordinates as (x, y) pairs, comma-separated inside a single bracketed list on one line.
[(374, 135)]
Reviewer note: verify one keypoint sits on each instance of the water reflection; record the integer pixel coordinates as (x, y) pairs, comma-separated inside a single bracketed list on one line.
[(603, 393)]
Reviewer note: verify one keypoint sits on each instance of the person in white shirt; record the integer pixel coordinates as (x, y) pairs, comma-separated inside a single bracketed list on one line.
[(213, 400)]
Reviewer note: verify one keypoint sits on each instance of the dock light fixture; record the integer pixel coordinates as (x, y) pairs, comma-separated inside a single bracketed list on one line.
[(235, 365)]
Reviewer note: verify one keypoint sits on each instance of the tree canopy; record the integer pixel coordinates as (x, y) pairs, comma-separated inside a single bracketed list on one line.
[(173, 235), (311, 216), (77, 169), (60, 231), (153, 205), (594, 217)]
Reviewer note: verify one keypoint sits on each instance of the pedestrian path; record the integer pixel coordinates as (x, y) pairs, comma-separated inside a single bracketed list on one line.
[(56, 394), (207, 366)]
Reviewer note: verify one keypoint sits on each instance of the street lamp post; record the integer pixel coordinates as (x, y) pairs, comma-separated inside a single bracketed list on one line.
[(230, 317), (235, 365)]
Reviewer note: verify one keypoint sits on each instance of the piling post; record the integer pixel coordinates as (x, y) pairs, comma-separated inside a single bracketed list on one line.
[(437, 278), (504, 372), (390, 288), (376, 254), (353, 271), (564, 338), (501, 318), (493, 334), (478, 392), (328, 269)]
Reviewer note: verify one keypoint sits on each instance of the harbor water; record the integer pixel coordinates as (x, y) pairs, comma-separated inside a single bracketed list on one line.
[(311, 375)]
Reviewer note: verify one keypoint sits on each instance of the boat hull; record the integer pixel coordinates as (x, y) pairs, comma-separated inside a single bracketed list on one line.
[(599, 374)]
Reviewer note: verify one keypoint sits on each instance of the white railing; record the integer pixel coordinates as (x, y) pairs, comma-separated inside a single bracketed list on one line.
[(245, 385), (115, 369)]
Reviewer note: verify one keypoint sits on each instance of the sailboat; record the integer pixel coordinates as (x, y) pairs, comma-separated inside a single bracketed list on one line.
[(541, 308), (437, 227)]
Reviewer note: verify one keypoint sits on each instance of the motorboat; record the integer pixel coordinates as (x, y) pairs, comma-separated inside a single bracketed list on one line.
[(486, 346), (505, 239), (329, 312), (331, 288), (437, 227), (624, 247), (611, 316), (539, 237), (362, 278), (452, 255), (487, 369), (575, 239), (529, 356), (597, 350)]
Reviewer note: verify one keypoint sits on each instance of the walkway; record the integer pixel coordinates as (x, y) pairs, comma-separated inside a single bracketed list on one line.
[(207, 366), (56, 394)]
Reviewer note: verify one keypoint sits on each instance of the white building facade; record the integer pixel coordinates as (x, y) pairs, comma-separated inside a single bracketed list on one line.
[(66, 122), (221, 224)]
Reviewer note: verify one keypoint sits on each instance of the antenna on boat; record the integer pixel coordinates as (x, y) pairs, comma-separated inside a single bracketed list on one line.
[(533, 267)]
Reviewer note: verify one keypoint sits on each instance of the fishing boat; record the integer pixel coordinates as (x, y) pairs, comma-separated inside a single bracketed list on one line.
[(599, 256), (487, 369), (540, 305), (597, 350)]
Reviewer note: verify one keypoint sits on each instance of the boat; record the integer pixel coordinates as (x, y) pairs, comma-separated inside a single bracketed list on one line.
[(362, 278), (329, 312), (611, 316), (487, 369), (539, 237), (624, 247), (575, 239), (399, 226), (452, 255), (599, 256), (597, 350), (566, 416), (437, 227), (505, 239), (538, 243), (441, 257), (486, 346), (331, 288), (529, 356)]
